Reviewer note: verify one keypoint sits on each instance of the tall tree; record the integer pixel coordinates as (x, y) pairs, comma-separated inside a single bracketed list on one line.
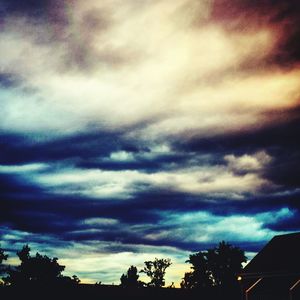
[(156, 270), (131, 278), (201, 275), (215, 267), (225, 262)]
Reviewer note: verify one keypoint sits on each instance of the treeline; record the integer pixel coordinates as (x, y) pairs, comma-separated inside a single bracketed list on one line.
[(38, 270), (216, 268)]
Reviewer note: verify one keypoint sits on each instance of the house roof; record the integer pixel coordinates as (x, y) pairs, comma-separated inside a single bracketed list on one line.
[(280, 255)]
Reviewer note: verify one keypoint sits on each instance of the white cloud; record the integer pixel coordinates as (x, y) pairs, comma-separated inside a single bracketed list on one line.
[(122, 156), (99, 265), (181, 76), (197, 179), (246, 162), (217, 180), (205, 227), (34, 167), (274, 217), (100, 221)]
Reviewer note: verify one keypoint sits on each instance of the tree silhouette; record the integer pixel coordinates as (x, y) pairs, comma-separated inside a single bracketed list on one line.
[(2, 258), (201, 276), (215, 267), (131, 278), (156, 270), (225, 262), (38, 269)]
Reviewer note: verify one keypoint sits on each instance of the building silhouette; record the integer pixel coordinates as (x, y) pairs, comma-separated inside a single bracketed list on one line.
[(274, 273)]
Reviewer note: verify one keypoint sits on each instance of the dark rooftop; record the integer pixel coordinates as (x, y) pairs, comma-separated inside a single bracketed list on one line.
[(280, 255)]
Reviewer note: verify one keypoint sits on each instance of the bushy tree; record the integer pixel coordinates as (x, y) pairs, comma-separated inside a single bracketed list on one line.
[(215, 267), (131, 278), (201, 275), (156, 270), (38, 269), (225, 262)]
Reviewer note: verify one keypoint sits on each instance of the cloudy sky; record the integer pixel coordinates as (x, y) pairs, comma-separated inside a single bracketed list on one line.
[(134, 129)]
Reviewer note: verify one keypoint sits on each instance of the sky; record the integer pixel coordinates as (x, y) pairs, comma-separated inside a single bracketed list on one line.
[(135, 129)]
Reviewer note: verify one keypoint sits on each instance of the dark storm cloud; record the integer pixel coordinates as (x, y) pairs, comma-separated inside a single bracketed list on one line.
[(291, 224), (88, 151), (285, 170), (183, 203), (272, 11), (47, 11), (41, 211), (30, 6), (66, 217), (18, 149), (279, 139), (277, 135), (142, 163), (23, 206), (12, 184), (289, 14), (30, 208)]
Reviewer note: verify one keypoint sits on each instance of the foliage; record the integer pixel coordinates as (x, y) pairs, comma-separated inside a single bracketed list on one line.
[(2, 256), (201, 276), (68, 281), (225, 262), (38, 269), (215, 267), (156, 270), (131, 278)]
